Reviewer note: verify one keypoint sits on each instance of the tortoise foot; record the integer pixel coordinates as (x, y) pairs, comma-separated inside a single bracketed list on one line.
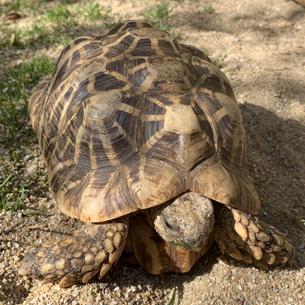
[(93, 250), (247, 239)]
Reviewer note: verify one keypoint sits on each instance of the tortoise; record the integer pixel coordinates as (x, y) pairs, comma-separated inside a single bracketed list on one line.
[(144, 144)]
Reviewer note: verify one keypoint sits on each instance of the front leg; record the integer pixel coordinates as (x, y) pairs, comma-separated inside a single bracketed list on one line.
[(247, 239), (93, 249)]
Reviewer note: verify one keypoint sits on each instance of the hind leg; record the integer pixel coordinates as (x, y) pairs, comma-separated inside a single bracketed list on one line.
[(247, 239), (93, 249)]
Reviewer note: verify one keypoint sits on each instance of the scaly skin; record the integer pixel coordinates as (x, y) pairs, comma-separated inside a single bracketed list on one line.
[(93, 249), (248, 239)]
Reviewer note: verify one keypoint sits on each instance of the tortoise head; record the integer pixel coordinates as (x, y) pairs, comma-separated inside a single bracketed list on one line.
[(185, 225)]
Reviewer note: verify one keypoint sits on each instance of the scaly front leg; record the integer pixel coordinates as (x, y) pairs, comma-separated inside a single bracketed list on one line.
[(93, 249), (247, 239)]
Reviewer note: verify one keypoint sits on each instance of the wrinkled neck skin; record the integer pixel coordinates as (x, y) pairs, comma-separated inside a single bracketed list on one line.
[(185, 225)]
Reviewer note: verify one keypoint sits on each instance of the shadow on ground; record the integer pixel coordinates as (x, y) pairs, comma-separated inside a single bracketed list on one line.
[(276, 149)]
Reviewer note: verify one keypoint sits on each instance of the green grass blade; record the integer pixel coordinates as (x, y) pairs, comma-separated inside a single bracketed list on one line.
[(172, 300), (6, 181)]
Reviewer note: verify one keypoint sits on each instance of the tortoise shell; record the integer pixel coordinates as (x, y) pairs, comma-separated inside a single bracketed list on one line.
[(131, 119)]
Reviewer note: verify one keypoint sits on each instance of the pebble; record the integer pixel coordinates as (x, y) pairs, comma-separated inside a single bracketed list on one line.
[(210, 282)]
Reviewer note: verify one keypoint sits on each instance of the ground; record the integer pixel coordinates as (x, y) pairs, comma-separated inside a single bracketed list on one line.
[(259, 45)]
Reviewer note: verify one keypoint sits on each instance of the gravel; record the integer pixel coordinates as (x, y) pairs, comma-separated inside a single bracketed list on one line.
[(260, 45)]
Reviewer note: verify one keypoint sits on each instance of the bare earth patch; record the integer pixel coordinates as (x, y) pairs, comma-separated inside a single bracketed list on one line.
[(260, 46)]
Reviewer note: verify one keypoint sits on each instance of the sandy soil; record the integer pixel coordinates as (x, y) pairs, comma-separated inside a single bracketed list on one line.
[(260, 46)]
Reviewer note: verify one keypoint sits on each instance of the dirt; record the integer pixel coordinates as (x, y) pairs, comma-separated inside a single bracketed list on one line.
[(260, 46)]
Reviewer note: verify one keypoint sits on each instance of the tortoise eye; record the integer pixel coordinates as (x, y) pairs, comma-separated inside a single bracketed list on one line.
[(169, 225)]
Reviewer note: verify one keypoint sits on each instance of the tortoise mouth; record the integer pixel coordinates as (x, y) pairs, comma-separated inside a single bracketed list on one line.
[(183, 258)]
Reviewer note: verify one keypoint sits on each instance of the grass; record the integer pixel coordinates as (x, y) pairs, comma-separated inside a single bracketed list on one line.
[(208, 9), (60, 14), (159, 16), (94, 11), (172, 300), (15, 87), (44, 24), (16, 184), (54, 25), (13, 190), (37, 34), (23, 7), (13, 6)]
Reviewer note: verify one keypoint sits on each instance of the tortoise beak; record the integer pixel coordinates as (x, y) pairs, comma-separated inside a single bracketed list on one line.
[(183, 257)]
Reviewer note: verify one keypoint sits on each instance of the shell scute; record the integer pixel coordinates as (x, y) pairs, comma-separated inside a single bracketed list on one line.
[(131, 119)]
